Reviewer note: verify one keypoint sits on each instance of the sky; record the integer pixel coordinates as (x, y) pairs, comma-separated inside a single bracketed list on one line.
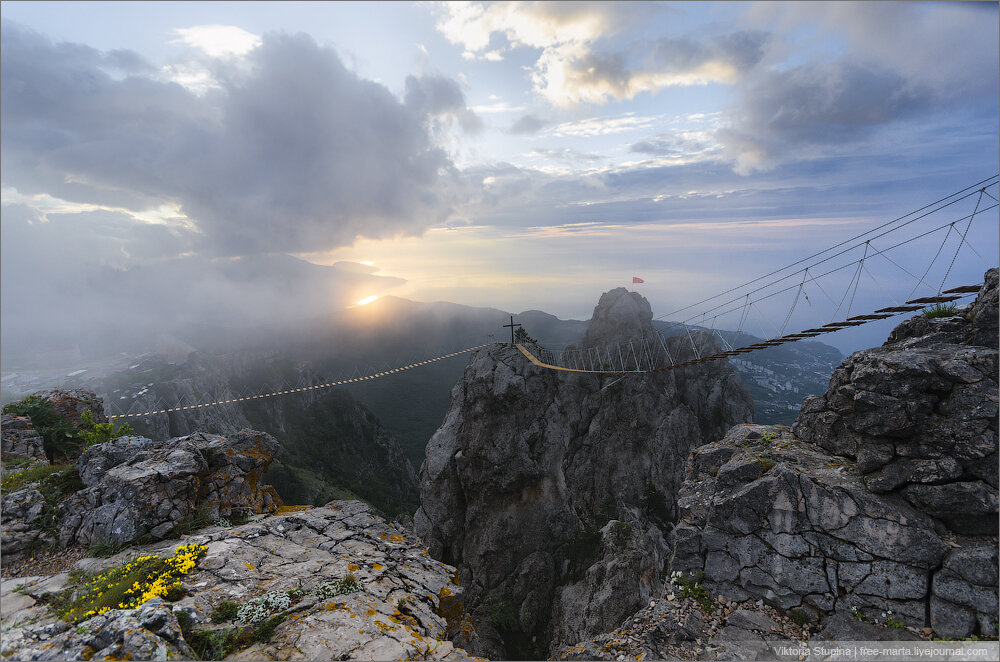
[(170, 162)]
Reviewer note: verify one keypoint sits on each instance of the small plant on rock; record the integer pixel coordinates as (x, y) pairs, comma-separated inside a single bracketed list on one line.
[(692, 588), (263, 607), (349, 584), (891, 621), (224, 611), (940, 310)]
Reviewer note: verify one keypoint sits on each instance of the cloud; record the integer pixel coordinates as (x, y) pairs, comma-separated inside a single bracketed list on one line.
[(534, 24), (527, 124), (938, 65), (218, 40), (680, 145), (106, 283), (438, 96), (566, 154), (815, 104), (569, 70), (595, 126), (573, 73), (293, 152)]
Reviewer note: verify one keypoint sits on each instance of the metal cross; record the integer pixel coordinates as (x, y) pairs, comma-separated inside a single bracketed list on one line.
[(511, 325)]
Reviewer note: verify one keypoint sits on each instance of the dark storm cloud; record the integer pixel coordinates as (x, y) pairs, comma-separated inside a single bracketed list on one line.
[(293, 153)]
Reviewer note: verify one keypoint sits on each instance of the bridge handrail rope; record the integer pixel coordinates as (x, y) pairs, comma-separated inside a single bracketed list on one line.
[(953, 294), (993, 180), (813, 279), (259, 396)]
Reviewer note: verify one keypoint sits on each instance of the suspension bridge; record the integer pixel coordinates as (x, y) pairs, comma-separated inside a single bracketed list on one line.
[(698, 339)]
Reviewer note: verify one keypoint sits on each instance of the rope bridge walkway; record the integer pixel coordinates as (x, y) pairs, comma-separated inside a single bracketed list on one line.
[(650, 353)]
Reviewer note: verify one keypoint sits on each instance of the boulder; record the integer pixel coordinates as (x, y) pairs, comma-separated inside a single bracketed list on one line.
[(405, 605), (20, 529), (964, 592), (137, 486), (150, 632)]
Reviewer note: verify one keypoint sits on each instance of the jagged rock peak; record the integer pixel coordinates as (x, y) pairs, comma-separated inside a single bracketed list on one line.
[(619, 315), (551, 491)]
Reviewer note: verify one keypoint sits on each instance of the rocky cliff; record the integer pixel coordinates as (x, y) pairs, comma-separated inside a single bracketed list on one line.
[(552, 491), (880, 504)]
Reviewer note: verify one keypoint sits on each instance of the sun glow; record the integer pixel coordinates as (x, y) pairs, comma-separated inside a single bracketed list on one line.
[(367, 300)]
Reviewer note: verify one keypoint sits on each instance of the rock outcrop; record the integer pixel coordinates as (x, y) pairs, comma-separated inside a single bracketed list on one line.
[(880, 503), (134, 487), (137, 486), (20, 439), (551, 491), (404, 604), (919, 415)]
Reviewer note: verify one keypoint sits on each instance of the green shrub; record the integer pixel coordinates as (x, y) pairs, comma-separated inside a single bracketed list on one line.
[(799, 617), (98, 433), (207, 644)]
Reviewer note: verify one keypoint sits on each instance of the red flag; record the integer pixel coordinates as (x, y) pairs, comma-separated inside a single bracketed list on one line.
[(636, 279)]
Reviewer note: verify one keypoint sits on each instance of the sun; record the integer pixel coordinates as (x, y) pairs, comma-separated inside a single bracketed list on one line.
[(367, 300)]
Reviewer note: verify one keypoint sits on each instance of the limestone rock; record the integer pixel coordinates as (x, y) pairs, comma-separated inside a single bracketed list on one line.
[(20, 530), (20, 439), (803, 533), (408, 606), (919, 415), (137, 486), (150, 632), (551, 491), (964, 592)]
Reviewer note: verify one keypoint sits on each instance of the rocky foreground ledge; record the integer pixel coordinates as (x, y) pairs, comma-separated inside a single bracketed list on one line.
[(403, 606)]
